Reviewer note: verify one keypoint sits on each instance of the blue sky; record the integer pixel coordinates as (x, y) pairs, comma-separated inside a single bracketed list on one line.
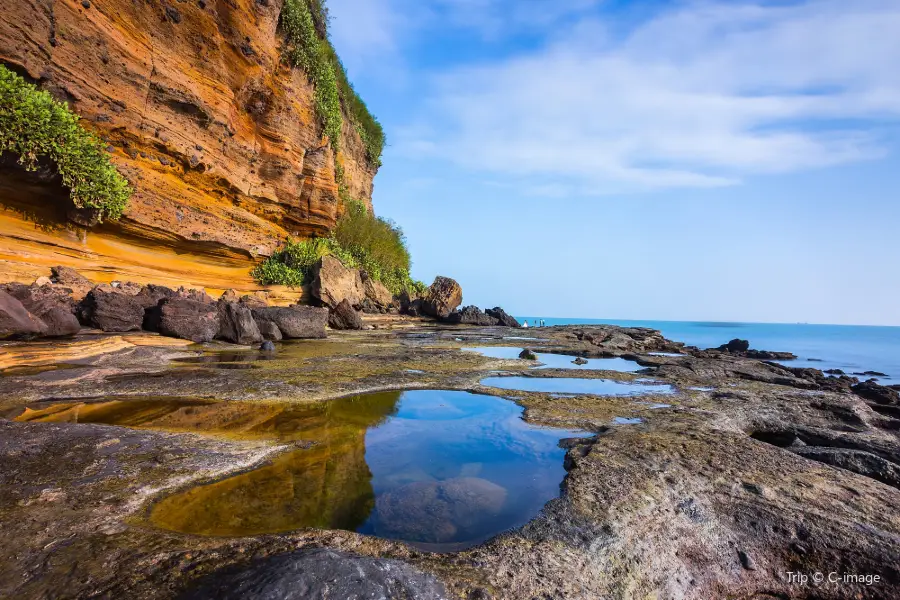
[(641, 160)]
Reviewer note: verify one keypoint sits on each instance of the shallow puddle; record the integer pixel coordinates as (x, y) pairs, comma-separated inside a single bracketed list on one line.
[(572, 385), (560, 361), (441, 470), (627, 420)]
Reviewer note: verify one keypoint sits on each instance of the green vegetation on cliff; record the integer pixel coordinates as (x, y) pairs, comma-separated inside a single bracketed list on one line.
[(34, 126), (305, 24), (360, 240)]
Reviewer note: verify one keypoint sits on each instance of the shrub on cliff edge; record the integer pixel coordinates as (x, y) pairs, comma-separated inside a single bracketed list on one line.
[(360, 240), (305, 23), (33, 125)]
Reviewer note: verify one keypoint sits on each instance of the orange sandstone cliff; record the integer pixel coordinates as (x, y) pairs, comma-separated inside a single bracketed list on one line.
[(216, 133)]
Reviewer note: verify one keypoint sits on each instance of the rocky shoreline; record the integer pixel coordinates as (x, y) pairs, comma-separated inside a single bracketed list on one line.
[(750, 471), (60, 305)]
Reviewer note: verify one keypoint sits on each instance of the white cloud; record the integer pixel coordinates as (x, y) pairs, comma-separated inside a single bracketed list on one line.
[(701, 95)]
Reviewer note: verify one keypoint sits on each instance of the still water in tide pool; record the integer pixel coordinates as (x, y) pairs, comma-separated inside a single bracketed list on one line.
[(560, 361), (441, 470)]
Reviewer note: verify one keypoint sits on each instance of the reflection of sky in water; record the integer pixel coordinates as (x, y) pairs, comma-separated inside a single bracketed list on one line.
[(476, 446), (572, 385), (560, 361), (627, 420), (440, 469)]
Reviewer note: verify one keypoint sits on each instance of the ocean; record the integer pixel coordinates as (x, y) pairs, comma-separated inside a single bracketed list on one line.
[(852, 348)]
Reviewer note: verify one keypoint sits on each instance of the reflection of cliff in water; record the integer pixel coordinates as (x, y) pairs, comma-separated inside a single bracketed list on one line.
[(327, 485)]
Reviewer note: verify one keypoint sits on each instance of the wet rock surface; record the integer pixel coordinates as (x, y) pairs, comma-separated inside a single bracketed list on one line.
[(754, 470), (320, 573)]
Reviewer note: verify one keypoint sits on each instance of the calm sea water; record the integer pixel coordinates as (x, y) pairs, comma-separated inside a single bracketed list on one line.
[(847, 347)]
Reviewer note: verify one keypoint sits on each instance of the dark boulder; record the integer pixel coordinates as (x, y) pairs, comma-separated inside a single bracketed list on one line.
[(414, 308), (443, 297), (150, 297), (318, 573), (269, 331), (236, 324), (51, 304), (527, 354), (504, 318), (579, 361), (735, 345), (188, 319), (471, 315), (871, 374), (109, 309), (267, 346), (343, 316), (16, 321), (834, 372), (742, 348), (295, 322), (871, 390)]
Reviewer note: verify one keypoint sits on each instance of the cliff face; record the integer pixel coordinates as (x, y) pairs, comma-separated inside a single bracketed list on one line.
[(216, 134)]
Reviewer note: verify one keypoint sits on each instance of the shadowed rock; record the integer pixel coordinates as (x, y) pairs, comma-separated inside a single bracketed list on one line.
[(295, 322), (376, 292), (109, 309), (188, 319), (471, 315), (236, 324), (52, 305), (269, 331), (343, 316), (502, 316), (319, 573), (16, 321)]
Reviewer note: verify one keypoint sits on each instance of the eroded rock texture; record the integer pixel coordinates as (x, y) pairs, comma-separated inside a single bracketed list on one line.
[(217, 135)]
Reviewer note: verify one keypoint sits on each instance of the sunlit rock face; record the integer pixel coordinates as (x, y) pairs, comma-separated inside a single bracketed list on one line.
[(217, 135)]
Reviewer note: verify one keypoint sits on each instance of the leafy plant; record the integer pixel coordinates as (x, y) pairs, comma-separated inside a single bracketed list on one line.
[(305, 24), (360, 240), (34, 126)]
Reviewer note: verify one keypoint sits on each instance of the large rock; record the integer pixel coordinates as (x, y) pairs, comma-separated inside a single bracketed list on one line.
[(376, 292), (872, 390), (319, 573), (443, 297), (295, 322), (109, 309), (72, 279), (269, 331), (16, 321), (471, 315), (344, 316), (334, 282), (150, 298), (504, 318), (51, 304), (188, 319), (236, 324)]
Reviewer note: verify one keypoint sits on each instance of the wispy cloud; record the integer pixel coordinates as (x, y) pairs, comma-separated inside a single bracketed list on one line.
[(703, 94)]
